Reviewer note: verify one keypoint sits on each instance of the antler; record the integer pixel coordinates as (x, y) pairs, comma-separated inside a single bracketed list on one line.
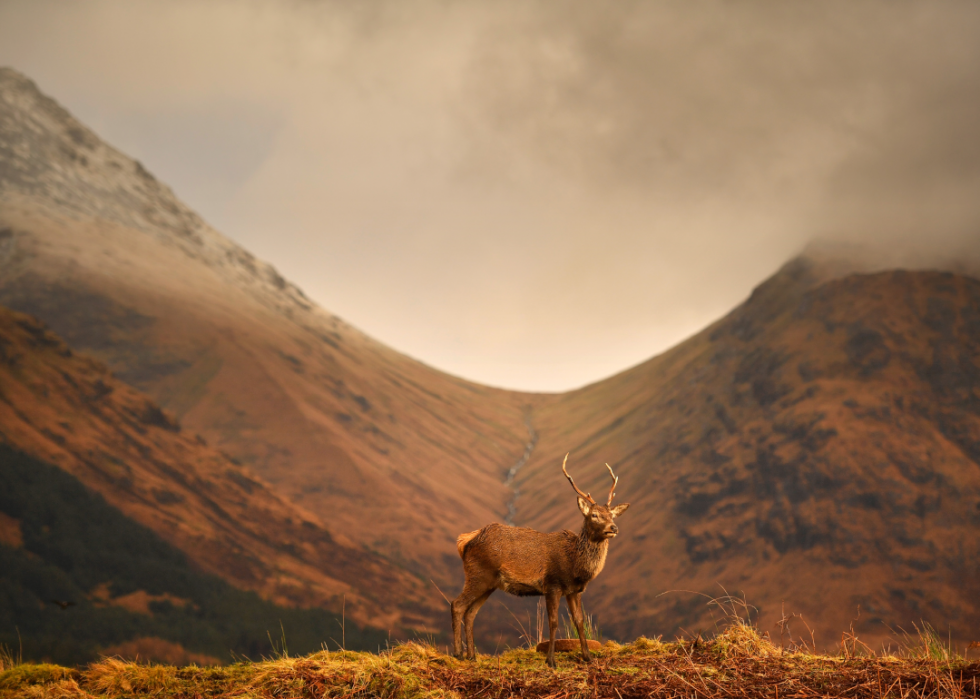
[(612, 491), (581, 494)]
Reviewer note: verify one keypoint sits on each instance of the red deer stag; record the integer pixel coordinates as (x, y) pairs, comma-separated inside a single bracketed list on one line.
[(525, 562)]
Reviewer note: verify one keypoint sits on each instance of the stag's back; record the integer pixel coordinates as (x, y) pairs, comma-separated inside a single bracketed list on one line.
[(518, 556)]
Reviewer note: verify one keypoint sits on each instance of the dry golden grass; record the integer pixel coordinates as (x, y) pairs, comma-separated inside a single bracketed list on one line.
[(738, 662)]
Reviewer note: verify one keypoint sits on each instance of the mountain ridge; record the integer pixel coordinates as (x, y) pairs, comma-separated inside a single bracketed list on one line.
[(124, 191)]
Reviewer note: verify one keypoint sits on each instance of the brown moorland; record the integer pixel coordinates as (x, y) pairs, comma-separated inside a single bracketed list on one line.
[(817, 446), (68, 410)]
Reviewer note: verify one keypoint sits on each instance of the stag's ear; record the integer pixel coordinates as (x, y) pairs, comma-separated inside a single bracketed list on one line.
[(619, 509), (584, 505)]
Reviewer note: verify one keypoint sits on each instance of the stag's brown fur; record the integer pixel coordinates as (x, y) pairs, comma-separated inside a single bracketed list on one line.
[(524, 562)]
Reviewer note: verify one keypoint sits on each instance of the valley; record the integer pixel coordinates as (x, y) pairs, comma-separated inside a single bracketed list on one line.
[(817, 450)]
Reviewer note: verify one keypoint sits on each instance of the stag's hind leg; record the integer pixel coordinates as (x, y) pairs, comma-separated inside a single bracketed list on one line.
[(468, 622), (472, 592)]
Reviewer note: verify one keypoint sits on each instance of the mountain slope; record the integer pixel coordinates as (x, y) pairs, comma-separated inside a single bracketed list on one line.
[(389, 452), (819, 446), (816, 446), (65, 409), (81, 579)]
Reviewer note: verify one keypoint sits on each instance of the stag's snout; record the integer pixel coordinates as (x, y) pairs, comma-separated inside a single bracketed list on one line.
[(611, 531)]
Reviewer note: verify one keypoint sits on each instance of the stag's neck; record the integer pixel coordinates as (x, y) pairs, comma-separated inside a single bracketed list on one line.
[(591, 556)]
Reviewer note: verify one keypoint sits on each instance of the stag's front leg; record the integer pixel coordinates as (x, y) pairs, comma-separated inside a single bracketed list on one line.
[(578, 616), (552, 597)]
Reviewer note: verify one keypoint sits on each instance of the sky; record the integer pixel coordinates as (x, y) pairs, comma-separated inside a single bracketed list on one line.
[(535, 194)]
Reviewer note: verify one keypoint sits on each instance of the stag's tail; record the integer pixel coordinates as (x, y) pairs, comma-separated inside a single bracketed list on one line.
[(463, 539)]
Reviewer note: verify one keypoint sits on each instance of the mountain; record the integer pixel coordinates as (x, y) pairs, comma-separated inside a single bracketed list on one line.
[(814, 450), (67, 410), (818, 447), (373, 444)]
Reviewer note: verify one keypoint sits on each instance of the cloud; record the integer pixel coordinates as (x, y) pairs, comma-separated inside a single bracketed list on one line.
[(534, 194), (748, 98)]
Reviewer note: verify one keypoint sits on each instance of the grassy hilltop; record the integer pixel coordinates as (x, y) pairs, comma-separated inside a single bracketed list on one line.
[(737, 662)]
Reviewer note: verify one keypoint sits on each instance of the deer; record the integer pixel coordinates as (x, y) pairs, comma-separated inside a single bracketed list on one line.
[(525, 562)]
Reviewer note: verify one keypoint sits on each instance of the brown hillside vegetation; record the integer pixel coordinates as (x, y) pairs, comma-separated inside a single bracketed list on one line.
[(158, 650), (736, 663), (820, 446), (68, 410)]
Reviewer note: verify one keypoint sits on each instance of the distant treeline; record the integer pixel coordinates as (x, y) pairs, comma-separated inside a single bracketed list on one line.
[(73, 542)]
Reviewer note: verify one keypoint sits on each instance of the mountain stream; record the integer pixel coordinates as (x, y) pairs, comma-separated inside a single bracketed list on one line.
[(512, 471)]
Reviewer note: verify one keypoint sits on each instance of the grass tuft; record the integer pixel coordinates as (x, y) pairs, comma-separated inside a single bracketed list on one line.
[(928, 645), (7, 659), (742, 640), (25, 675), (648, 645)]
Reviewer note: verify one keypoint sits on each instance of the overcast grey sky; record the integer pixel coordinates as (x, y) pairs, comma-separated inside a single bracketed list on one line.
[(531, 194)]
